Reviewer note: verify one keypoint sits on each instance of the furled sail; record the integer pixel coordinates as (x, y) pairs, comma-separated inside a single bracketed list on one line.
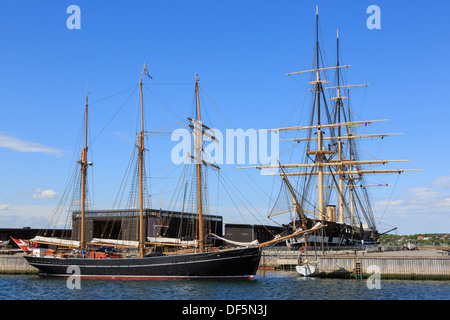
[(239, 244), (56, 241), (173, 241), (125, 243)]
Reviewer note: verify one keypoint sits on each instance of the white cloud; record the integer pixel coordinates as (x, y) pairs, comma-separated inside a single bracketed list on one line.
[(441, 182), (35, 216), (122, 136), (26, 146), (44, 194), (420, 209), (4, 207)]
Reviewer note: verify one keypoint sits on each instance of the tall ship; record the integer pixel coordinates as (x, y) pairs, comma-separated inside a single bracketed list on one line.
[(330, 183), (141, 243)]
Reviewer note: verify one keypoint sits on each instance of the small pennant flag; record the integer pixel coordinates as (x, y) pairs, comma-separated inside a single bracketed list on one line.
[(146, 71)]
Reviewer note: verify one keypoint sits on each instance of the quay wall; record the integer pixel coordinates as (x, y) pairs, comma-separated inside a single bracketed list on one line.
[(388, 266), (16, 265), (426, 264)]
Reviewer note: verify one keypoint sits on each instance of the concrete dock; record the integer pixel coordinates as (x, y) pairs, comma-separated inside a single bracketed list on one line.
[(15, 264), (404, 264)]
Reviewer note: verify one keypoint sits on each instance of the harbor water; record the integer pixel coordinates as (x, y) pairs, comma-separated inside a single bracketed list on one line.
[(267, 285)]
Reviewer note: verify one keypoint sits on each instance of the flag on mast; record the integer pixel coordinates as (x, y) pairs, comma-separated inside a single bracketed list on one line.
[(146, 71), (21, 244)]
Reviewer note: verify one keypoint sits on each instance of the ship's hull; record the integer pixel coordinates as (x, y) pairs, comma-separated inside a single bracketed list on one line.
[(335, 235), (225, 264)]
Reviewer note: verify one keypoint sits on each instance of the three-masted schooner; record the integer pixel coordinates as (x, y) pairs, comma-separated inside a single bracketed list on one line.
[(331, 171), (197, 263)]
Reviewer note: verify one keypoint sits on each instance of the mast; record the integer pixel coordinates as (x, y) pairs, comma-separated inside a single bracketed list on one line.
[(294, 200), (84, 164), (199, 171), (319, 155), (141, 171), (351, 182), (338, 109)]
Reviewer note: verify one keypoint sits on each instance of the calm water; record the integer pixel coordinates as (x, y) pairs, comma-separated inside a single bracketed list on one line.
[(269, 286)]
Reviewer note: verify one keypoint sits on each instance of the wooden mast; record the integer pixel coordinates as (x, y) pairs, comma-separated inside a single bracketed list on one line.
[(297, 207), (84, 165), (351, 180), (319, 155), (338, 109), (198, 159), (141, 172)]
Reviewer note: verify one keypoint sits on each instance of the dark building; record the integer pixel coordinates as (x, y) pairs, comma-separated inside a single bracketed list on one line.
[(124, 224), (28, 233), (248, 233)]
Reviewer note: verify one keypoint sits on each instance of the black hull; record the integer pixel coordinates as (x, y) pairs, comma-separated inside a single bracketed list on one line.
[(334, 235), (226, 264)]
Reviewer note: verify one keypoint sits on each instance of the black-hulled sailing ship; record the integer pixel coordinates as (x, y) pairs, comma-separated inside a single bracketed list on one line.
[(329, 186), (190, 260), (148, 256)]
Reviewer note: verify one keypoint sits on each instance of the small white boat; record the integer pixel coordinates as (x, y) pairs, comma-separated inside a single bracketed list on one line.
[(307, 269)]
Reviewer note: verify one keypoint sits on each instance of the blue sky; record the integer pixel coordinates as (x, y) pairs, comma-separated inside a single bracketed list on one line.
[(241, 51)]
